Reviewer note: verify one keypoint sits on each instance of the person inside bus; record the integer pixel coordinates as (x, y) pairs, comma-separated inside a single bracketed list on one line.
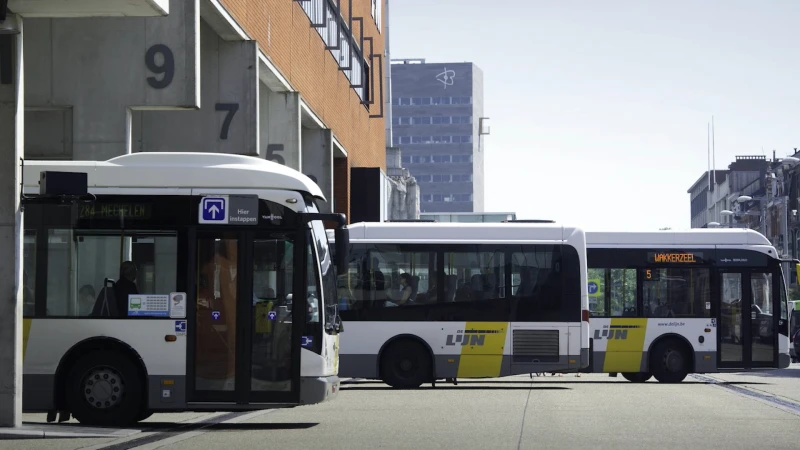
[(405, 292), (118, 295), (86, 298)]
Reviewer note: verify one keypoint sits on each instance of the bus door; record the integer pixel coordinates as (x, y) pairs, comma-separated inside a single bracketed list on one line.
[(243, 336), (747, 319)]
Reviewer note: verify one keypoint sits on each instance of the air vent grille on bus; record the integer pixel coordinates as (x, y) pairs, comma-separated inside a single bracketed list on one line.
[(535, 346)]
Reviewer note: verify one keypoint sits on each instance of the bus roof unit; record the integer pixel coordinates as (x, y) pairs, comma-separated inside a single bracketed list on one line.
[(460, 232), (180, 170), (698, 236)]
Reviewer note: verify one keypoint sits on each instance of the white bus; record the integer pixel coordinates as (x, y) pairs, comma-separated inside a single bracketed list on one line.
[(134, 301), (425, 301), (669, 303)]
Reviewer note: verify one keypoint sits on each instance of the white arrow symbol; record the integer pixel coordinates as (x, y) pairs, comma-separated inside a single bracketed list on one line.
[(213, 210)]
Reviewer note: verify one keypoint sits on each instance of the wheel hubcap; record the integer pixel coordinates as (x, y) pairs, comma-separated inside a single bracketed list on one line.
[(673, 361), (103, 388), (406, 367)]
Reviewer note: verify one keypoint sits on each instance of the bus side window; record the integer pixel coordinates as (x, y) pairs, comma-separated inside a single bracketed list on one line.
[(623, 292), (597, 293)]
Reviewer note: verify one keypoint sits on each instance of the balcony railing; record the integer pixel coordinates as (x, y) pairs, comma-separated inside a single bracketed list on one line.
[(336, 33)]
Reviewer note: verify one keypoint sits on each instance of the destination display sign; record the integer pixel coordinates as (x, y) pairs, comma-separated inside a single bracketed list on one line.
[(140, 211), (675, 257)]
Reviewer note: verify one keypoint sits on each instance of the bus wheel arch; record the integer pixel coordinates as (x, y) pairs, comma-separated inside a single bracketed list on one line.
[(412, 344), (672, 346), (98, 345)]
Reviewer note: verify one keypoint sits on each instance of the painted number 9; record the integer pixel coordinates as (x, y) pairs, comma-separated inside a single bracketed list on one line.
[(160, 65)]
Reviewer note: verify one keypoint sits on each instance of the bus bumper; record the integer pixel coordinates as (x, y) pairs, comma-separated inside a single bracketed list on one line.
[(318, 389)]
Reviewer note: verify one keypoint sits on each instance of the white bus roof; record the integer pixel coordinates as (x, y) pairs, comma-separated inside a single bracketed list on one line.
[(180, 170), (460, 232), (697, 236)]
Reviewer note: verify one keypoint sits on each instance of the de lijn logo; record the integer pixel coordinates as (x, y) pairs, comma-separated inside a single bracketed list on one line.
[(469, 337), (614, 332)]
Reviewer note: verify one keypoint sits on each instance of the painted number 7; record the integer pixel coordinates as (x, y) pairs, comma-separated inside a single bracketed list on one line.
[(231, 109)]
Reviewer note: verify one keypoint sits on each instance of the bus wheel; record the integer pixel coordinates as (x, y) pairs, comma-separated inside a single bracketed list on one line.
[(669, 361), (636, 377), (406, 365), (104, 388)]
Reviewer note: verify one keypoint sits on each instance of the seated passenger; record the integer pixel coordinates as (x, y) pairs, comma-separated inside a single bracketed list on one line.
[(405, 291)]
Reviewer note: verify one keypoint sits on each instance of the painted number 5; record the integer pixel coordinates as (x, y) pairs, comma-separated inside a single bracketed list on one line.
[(271, 156), (163, 65)]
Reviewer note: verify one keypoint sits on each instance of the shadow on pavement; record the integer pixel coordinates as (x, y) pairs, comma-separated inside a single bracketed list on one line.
[(443, 386), (530, 384), (261, 426)]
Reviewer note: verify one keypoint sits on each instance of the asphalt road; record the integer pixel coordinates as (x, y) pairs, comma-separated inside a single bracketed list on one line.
[(729, 411)]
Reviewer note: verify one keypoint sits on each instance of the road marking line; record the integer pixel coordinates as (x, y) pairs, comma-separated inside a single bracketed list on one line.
[(761, 396), (190, 434), (141, 435)]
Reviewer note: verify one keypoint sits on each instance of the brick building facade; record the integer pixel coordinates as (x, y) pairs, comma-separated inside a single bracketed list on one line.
[(298, 82), (285, 33)]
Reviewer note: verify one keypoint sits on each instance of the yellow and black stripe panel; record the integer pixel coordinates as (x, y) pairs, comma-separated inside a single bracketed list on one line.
[(482, 349), (624, 345)]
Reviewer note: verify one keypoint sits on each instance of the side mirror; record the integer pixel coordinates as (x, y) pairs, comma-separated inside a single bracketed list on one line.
[(342, 244)]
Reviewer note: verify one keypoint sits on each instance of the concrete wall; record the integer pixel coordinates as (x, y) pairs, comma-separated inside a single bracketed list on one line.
[(85, 76), (478, 153), (227, 121), (11, 150), (317, 145), (279, 115)]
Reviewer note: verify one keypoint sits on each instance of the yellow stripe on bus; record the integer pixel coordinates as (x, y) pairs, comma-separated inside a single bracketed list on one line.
[(482, 356), (625, 344), (26, 332)]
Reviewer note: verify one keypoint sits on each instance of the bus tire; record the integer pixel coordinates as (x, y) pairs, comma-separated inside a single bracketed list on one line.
[(669, 361), (406, 364), (104, 388), (637, 377)]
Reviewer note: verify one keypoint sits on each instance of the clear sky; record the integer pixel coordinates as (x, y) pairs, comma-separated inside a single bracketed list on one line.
[(599, 109)]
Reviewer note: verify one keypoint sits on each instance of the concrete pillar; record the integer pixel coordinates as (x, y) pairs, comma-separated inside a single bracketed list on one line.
[(86, 77), (279, 117), (317, 160), (227, 121), (12, 114)]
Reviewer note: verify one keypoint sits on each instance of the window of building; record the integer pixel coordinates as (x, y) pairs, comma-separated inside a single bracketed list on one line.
[(421, 120)]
